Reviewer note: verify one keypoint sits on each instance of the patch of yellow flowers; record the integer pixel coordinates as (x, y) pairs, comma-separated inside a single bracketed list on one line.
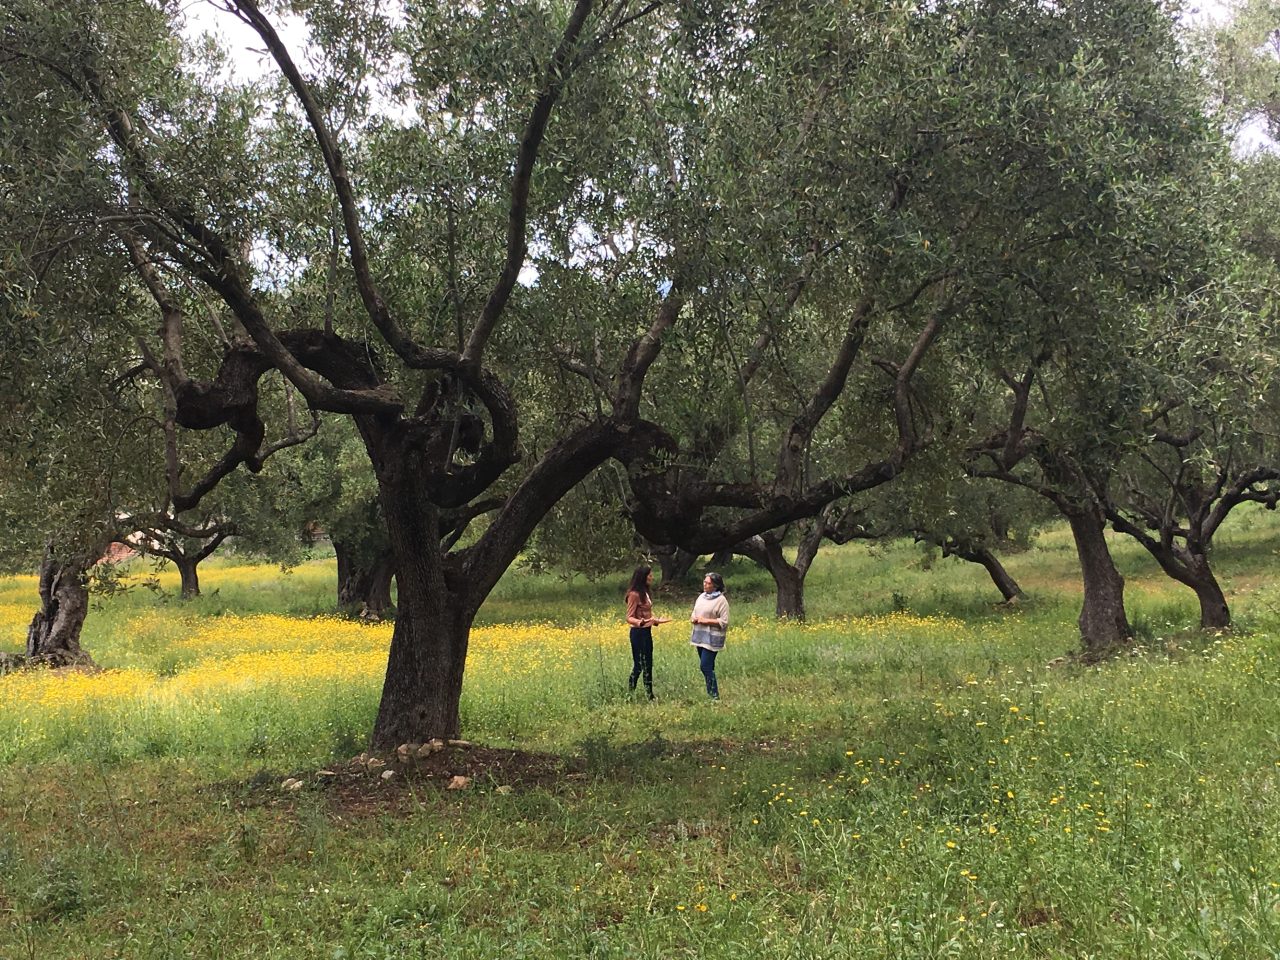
[(289, 655), (293, 657), (209, 661), (14, 620)]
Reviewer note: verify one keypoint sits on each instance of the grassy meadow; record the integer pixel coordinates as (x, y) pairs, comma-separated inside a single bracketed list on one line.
[(910, 774)]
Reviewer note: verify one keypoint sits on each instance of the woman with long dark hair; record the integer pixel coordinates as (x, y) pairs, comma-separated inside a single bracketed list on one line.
[(640, 617), (710, 620)]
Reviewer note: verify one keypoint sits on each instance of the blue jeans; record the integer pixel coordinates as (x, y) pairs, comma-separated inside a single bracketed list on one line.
[(707, 662), (641, 658)]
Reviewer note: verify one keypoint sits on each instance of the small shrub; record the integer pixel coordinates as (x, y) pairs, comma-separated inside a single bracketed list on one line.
[(58, 894)]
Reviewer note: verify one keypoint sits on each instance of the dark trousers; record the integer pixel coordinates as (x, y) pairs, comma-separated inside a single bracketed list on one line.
[(707, 662), (642, 658)]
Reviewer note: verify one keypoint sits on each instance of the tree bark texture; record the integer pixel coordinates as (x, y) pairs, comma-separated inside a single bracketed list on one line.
[(423, 683), (348, 587), (1214, 612), (377, 599), (54, 635), (188, 570), (441, 591), (1004, 581), (1104, 626), (790, 587)]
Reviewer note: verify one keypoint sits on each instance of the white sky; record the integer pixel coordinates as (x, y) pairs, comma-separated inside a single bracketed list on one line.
[(1212, 10), (239, 39), (245, 47), (250, 60)]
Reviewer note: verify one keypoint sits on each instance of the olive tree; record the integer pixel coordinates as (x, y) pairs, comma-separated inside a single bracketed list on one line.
[(655, 196)]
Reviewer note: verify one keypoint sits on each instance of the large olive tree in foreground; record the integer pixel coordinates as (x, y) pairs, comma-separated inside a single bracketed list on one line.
[(667, 234)]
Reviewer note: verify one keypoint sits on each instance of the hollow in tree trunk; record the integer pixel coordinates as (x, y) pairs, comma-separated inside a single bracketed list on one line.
[(364, 584), (377, 599), (1104, 626), (54, 635)]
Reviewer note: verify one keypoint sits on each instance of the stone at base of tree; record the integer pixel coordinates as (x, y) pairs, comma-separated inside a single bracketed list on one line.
[(459, 783), (406, 758), (10, 662)]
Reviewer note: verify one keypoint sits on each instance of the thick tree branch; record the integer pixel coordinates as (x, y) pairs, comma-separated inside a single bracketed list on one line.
[(219, 269), (640, 357), (557, 74), (374, 304)]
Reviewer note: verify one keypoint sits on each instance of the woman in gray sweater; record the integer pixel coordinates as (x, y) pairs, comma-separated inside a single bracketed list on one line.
[(710, 620)]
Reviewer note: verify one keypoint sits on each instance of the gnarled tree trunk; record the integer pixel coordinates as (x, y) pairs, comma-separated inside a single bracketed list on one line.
[(423, 683), (674, 563), (1189, 565), (364, 584), (1214, 612), (348, 575), (54, 635), (377, 598), (173, 541), (788, 578), (1104, 626), (440, 591), (188, 570), (974, 553), (790, 586), (722, 558), (364, 587)]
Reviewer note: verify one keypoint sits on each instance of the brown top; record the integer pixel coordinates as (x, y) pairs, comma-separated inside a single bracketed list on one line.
[(639, 609)]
